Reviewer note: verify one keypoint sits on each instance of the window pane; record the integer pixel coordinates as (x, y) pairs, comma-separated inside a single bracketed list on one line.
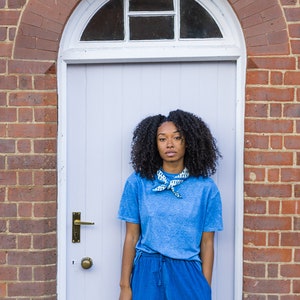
[(150, 5), (107, 24), (151, 28), (196, 22)]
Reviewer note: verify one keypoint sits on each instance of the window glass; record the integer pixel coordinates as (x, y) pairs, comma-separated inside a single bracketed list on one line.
[(151, 28), (107, 24), (196, 22), (150, 20), (150, 5)]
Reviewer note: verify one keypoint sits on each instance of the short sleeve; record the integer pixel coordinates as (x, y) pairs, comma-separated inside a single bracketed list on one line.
[(129, 208), (213, 219)]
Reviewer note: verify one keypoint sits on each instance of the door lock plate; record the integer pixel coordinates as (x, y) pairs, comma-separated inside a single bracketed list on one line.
[(76, 223)]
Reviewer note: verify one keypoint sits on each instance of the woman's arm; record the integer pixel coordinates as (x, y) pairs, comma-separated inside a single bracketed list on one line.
[(207, 254), (131, 238)]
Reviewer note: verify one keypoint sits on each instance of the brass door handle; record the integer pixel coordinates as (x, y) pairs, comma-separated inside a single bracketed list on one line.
[(76, 223), (86, 263)]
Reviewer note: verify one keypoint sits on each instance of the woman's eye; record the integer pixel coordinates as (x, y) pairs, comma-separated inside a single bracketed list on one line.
[(161, 139), (177, 138)]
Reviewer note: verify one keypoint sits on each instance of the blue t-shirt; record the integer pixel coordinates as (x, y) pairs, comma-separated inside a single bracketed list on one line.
[(172, 226)]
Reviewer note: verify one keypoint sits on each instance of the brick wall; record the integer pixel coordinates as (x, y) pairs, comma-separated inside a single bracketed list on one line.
[(30, 31)]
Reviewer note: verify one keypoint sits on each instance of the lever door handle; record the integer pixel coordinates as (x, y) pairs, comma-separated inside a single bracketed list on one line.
[(76, 223)]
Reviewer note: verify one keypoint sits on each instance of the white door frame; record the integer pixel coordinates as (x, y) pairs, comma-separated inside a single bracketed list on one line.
[(72, 51)]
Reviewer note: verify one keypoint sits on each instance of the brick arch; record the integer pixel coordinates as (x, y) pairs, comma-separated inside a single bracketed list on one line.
[(42, 24), (41, 27)]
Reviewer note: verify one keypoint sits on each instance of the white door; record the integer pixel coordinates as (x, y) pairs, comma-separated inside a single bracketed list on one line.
[(104, 103)]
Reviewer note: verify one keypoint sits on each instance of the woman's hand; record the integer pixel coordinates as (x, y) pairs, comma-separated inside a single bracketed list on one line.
[(126, 293)]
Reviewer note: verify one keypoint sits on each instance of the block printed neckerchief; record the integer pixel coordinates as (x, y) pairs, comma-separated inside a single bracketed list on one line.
[(169, 185)]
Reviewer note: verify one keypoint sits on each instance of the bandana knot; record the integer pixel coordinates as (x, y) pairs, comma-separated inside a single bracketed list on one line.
[(170, 184)]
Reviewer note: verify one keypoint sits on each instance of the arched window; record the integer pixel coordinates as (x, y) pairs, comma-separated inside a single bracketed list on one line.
[(151, 20)]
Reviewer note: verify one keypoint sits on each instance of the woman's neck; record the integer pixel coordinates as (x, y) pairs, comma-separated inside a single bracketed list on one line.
[(173, 168)]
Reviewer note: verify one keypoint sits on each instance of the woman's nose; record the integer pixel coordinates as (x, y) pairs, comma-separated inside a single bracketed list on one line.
[(170, 143)]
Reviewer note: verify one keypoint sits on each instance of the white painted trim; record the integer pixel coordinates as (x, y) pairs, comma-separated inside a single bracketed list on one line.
[(231, 47)]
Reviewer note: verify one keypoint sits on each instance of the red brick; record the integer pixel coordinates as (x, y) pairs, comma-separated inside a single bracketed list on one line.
[(45, 178), (44, 210), (273, 175), (270, 94), (31, 258), (254, 269), (268, 223), (255, 238), (7, 146), (25, 162), (32, 226), (8, 114), (45, 114), (273, 239), (8, 273), (8, 210), (25, 210), (268, 126), (3, 33), (297, 190), (290, 174), (272, 63), (32, 99), (276, 78), (256, 110), (268, 255), (268, 190), (25, 273), (292, 142), (295, 47), (6, 51), (44, 241), (254, 174), (7, 241), (276, 142), (25, 82), (24, 146), (45, 273), (257, 77), (274, 207), (268, 158), (32, 130), (8, 178), (16, 3), (24, 241), (292, 78), (292, 14), (256, 141), (45, 146), (278, 37), (294, 30), (3, 290), (45, 83), (9, 17), (291, 110), (31, 289), (255, 207), (31, 194), (28, 67), (25, 178), (273, 270), (290, 239), (25, 114)]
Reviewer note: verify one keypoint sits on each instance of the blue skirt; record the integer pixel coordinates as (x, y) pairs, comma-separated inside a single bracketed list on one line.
[(156, 277)]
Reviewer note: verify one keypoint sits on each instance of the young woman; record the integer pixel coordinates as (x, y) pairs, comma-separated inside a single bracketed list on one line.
[(172, 209)]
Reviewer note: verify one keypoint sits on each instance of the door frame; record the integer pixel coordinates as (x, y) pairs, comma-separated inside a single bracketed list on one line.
[(72, 51)]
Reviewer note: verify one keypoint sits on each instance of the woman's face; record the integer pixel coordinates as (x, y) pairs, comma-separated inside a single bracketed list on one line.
[(171, 145)]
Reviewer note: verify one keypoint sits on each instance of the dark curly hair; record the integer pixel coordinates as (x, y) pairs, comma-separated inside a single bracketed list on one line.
[(201, 152)]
